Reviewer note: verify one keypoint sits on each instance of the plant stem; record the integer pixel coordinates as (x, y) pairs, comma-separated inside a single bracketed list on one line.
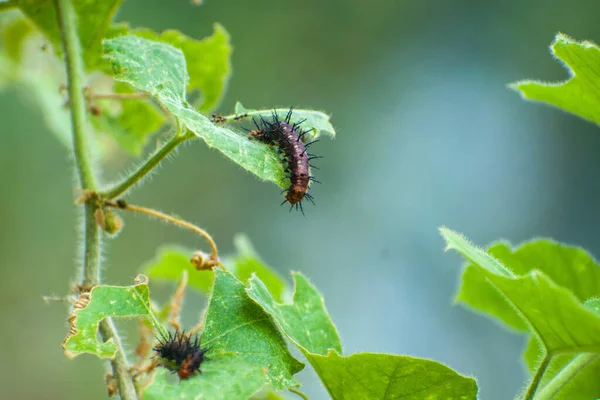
[(537, 378), (118, 96), (175, 221), (565, 375), (120, 365), (74, 65), (92, 240), (299, 393), (146, 167)]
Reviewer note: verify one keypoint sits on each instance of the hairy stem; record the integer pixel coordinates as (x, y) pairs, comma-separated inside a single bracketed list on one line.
[(120, 365), (92, 240), (75, 74), (146, 167), (565, 376), (537, 378)]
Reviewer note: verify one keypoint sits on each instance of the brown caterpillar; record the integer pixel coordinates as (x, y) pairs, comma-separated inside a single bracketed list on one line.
[(181, 353), (287, 138)]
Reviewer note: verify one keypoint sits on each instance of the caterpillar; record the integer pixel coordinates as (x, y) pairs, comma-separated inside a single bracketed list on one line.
[(181, 353), (288, 140)]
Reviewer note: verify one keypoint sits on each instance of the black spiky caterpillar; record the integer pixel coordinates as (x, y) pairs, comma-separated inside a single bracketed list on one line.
[(287, 138), (181, 353)]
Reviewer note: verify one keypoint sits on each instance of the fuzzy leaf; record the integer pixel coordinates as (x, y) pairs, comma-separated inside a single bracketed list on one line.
[(159, 69), (236, 329), (552, 312), (105, 301), (219, 380), (169, 264), (315, 120), (371, 376), (580, 94), (570, 267), (172, 260), (208, 61), (93, 18), (305, 321)]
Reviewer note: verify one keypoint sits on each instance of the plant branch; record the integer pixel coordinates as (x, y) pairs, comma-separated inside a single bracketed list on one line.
[(92, 240), (146, 167), (537, 378), (212, 261), (118, 96), (565, 376)]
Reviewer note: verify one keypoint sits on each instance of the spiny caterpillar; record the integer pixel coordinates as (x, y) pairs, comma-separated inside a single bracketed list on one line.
[(288, 140), (181, 353)]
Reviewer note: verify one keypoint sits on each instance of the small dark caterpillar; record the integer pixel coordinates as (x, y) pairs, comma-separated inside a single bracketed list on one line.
[(181, 353), (288, 140)]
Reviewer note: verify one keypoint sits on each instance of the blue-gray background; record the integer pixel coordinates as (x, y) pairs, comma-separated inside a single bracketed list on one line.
[(428, 135)]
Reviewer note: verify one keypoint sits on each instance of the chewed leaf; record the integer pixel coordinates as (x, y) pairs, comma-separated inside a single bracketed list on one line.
[(237, 330), (219, 380), (159, 69), (372, 376), (315, 120), (103, 301), (305, 321), (580, 94)]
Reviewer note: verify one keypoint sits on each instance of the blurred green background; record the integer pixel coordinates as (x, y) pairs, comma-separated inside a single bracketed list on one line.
[(428, 135)]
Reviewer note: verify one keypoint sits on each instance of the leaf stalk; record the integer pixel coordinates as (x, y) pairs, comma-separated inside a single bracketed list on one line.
[(146, 167), (537, 378), (575, 366)]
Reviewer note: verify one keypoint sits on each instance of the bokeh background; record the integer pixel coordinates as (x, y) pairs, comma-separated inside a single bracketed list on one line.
[(428, 135)]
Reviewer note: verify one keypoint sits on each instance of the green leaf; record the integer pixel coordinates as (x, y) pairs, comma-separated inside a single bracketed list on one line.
[(131, 123), (159, 69), (219, 380), (315, 120), (93, 18), (171, 261), (474, 254), (208, 61), (246, 263), (552, 312), (371, 376), (105, 301), (580, 94), (15, 31), (169, 264), (305, 321), (236, 329)]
